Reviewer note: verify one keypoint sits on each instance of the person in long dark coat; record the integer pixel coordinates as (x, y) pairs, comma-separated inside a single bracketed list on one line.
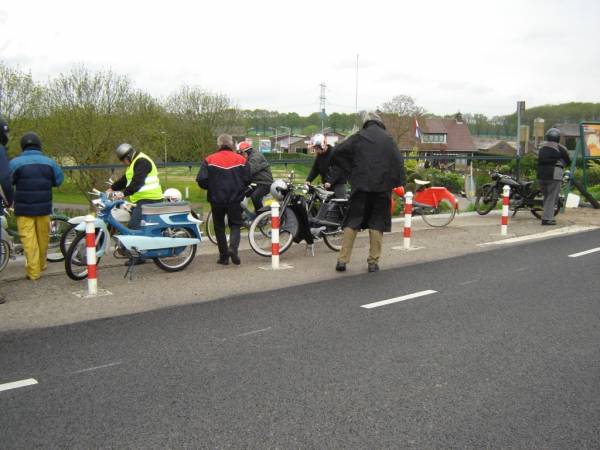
[(374, 166)]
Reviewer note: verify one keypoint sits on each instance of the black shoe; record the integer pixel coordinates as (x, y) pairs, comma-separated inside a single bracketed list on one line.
[(234, 258), (548, 222), (223, 260), (136, 262), (340, 266), (373, 267)]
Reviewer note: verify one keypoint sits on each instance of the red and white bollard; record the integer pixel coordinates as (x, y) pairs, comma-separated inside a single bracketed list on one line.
[(90, 243), (408, 207), (505, 203), (275, 235)]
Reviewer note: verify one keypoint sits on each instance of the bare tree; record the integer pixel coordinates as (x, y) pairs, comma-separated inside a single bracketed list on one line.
[(399, 115)]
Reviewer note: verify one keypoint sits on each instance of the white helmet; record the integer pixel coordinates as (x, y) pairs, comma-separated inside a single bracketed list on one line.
[(172, 195), (318, 139), (278, 188)]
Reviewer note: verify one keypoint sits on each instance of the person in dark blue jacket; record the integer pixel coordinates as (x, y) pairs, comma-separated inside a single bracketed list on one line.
[(6, 193), (34, 175)]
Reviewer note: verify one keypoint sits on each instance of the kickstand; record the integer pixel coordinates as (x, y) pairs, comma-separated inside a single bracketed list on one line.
[(130, 268)]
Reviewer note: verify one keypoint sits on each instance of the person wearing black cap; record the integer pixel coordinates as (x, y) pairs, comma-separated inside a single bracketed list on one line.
[(6, 189), (34, 175), (552, 160)]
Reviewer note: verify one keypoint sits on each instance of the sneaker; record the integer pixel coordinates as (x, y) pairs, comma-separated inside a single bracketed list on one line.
[(224, 260), (373, 267), (234, 258), (340, 266)]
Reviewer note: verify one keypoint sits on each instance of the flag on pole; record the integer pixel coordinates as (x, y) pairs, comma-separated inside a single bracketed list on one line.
[(417, 130)]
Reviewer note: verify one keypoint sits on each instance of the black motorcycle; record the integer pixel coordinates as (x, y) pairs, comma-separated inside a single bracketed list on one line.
[(523, 195), (307, 213)]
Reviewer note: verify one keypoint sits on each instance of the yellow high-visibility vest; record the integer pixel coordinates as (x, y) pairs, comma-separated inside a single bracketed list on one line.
[(151, 189)]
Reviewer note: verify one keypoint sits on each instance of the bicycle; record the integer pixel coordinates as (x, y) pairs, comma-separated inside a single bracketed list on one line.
[(436, 205), (247, 216), (11, 246)]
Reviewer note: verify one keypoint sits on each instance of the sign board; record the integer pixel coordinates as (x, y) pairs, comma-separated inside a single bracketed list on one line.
[(590, 137), (264, 145)]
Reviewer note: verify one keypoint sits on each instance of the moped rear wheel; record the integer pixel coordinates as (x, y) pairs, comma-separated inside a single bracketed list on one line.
[(4, 254), (259, 234), (440, 215), (486, 200), (181, 257), (76, 257)]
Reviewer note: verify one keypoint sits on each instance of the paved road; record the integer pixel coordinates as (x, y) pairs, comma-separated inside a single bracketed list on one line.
[(504, 355)]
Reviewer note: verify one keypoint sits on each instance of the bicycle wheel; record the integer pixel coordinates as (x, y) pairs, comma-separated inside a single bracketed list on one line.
[(259, 234), (67, 238), (4, 254), (439, 216), (210, 229), (486, 200), (76, 257), (58, 226), (181, 256), (333, 239)]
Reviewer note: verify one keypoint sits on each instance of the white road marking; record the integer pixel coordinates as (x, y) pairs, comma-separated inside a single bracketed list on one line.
[(522, 269), (464, 283), (103, 366), (398, 299), (253, 332), (17, 384), (558, 232), (587, 252)]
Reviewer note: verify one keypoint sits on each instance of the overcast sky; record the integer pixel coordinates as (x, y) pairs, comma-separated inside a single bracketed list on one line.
[(472, 56)]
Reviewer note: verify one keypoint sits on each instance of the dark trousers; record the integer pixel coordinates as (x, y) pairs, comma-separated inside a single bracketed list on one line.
[(551, 191), (234, 219), (136, 214), (257, 195)]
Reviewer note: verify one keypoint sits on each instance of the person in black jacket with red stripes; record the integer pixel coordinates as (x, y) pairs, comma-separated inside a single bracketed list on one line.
[(225, 175)]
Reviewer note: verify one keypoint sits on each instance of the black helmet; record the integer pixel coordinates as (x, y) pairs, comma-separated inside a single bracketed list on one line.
[(125, 151), (553, 135), (3, 131), (31, 140)]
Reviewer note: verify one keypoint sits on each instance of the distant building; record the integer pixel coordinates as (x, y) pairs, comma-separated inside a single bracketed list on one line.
[(500, 147)]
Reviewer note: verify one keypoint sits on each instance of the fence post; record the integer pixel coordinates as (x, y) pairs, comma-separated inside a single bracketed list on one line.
[(90, 242), (408, 207), (505, 203), (275, 235)]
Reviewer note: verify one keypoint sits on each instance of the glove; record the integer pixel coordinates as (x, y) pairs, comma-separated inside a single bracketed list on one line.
[(326, 185)]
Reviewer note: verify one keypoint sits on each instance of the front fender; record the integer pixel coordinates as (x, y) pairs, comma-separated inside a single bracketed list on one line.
[(433, 196), (102, 236)]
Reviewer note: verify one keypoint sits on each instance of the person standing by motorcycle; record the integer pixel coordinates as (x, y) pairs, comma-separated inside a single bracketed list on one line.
[(260, 174), (6, 191), (552, 160), (34, 175), (225, 175), (332, 177), (375, 167), (140, 182)]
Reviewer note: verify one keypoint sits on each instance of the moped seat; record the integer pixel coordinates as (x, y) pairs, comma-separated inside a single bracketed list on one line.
[(166, 208)]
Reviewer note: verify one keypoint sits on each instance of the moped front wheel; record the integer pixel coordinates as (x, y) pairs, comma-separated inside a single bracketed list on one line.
[(67, 238), (76, 257), (4, 254), (180, 257), (58, 226), (260, 232), (486, 200)]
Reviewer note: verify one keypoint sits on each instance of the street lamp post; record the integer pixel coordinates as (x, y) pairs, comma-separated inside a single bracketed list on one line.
[(164, 133)]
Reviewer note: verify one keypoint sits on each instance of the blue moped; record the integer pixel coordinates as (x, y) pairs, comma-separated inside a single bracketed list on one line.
[(168, 235)]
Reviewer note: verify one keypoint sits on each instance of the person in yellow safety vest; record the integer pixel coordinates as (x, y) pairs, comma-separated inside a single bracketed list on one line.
[(140, 181)]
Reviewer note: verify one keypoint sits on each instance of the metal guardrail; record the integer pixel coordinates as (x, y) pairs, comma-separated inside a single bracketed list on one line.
[(285, 162)]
